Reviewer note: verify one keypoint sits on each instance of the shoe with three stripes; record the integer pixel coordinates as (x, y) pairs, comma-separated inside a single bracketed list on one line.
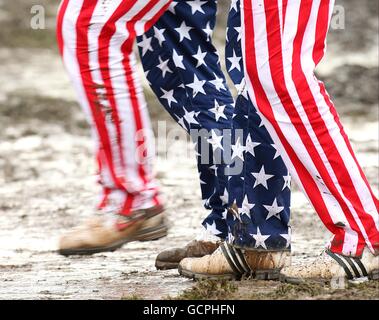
[(330, 266), (231, 263)]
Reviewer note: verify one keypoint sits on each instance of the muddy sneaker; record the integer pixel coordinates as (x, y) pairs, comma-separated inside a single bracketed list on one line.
[(204, 244), (330, 267), (100, 235), (230, 263)]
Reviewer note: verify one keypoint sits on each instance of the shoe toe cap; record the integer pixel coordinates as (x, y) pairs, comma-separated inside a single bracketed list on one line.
[(171, 255)]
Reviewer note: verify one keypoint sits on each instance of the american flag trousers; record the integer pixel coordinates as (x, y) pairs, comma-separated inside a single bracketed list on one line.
[(95, 39), (183, 69), (282, 43)]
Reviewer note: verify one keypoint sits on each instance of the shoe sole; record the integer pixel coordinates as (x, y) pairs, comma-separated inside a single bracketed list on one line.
[(199, 276), (267, 275), (374, 276), (164, 265), (150, 234)]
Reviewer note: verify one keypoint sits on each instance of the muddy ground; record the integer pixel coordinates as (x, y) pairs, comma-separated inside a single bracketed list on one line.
[(47, 182)]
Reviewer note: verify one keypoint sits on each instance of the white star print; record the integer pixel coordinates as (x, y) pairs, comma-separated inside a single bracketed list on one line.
[(200, 56), (196, 147), (260, 239), (218, 58), (242, 89), (287, 236), (235, 62), (225, 197), (234, 5), (196, 6), (218, 83), (145, 44), (190, 117), (158, 33), (214, 168), (178, 60), (181, 123), (238, 150), (169, 96), (172, 6), (208, 31), (183, 31), (246, 207), (218, 111), (273, 210), (239, 31), (212, 228), (163, 65), (215, 141), (261, 178), (197, 86), (287, 181), (250, 145), (147, 75), (277, 154)]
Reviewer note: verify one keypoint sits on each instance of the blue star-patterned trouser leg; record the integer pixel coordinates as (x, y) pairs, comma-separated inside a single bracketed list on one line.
[(262, 193), (184, 71)]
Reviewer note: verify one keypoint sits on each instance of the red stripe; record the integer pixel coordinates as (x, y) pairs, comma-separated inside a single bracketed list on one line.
[(318, 124), (128, 205), (322, 27), (61, 14), (127, 49), (266, 109), (82, 53), (104, 40), (104, 201)]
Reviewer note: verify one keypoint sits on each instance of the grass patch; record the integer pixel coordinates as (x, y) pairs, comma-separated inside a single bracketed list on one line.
[(209, 290), (272, 290), (132, 297)]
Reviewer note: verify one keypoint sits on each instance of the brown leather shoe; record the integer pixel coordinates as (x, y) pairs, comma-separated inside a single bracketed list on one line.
[(230, 263), (170, 258), (99, 235)]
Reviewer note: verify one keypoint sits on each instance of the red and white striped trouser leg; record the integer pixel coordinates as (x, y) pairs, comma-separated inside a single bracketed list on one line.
[(283, 41), (95, 39)]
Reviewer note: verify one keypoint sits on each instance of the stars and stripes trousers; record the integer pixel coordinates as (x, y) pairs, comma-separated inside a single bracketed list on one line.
[(282, 43), (95, 39), (183, 68)]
